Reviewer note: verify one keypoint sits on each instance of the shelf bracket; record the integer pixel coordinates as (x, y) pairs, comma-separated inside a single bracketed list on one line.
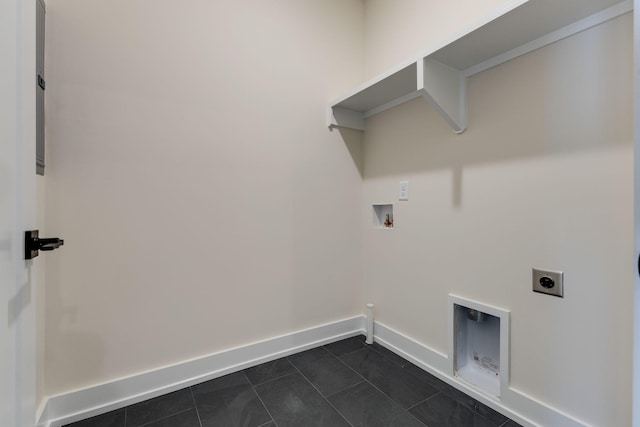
[(339, 117), (445, 88)]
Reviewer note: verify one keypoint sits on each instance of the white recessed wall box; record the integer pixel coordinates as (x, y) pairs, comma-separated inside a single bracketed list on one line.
[(479, 345)]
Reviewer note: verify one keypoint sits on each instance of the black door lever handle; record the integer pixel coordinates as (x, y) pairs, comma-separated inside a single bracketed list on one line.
[(49, 244), (33, 243)]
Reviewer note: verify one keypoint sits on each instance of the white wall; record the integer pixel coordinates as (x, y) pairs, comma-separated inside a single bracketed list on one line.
[(205, 205), (402, 29), (203, 202), (542, 178)]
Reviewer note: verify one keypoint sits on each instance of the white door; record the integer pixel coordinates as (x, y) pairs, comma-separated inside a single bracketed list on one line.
[(636, 168), (17, 212)]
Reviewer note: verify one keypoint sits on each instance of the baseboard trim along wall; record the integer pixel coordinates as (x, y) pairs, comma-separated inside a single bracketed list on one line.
[(56, 411), (514, 404), (65, 408)]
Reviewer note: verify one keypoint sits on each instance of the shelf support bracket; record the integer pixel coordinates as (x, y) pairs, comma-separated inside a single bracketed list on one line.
[(339, 117), (445, 88)]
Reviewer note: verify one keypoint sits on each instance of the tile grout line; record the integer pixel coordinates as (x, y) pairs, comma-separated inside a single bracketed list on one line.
[(164, 418), (385, 356), (406, 410), (385, 394), (195, 405), (348, 367), (329, 354), (272, 379), (415, 418), (273, 419), (442, 392), (346, 388), (255, 391), (335, 355), (344, 364), (459, 402), (360, 375), (324, 347), (322, 396), (370, 383), (422, 401)]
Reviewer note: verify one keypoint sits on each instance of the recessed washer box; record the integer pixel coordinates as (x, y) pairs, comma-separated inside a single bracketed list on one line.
[(479, 345), (383, 216)]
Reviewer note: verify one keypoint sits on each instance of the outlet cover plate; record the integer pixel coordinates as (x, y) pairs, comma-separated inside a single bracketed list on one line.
[(548, 277), (403, 194)]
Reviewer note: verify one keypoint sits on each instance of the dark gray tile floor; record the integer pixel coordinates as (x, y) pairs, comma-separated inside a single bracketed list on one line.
[(347, 383)]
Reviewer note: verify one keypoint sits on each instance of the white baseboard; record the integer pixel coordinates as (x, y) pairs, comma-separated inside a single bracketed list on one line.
[(514, 404), (65, 408), (69, 407)]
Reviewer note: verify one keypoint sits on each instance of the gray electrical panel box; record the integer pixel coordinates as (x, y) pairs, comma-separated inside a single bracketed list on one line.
[(40, 86)]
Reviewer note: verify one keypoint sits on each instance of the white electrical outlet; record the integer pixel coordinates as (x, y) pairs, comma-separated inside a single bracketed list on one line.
[(404, 190)]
